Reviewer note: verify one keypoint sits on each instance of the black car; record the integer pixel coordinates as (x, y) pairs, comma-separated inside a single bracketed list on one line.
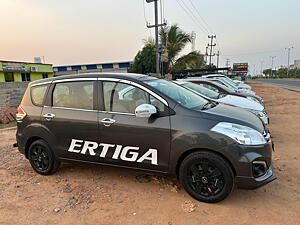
[(144, 123), (216, 86)]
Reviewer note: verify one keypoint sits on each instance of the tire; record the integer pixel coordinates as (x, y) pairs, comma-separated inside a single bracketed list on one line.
[(42, 159), (206, 176)]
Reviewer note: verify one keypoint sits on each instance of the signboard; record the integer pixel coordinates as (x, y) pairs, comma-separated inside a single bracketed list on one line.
[(240, 68), (14, 67)]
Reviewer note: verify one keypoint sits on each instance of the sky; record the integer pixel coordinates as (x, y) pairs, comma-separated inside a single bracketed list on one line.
[(94, 31)]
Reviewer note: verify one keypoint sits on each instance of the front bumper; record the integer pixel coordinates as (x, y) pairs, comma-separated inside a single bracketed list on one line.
[(252, 183)]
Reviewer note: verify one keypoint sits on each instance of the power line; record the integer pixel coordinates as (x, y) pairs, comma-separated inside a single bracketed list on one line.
[(189, 15), (202, 19)]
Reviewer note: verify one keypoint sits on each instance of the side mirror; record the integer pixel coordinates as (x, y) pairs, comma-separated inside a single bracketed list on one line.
[(145, 110)]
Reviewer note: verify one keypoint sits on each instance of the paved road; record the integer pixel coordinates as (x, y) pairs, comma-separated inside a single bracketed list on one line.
[(289, 84)]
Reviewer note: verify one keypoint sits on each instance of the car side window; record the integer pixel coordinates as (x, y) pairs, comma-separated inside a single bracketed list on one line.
[(77, 95), (124, 98), (38, 94)]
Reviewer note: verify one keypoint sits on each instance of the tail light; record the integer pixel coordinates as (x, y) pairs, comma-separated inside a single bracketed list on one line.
[(21, 114)]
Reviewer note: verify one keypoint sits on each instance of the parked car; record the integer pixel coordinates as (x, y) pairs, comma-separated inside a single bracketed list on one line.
[(159, 128), (232, 86), (243, 103), (220, 88), (238, 83)]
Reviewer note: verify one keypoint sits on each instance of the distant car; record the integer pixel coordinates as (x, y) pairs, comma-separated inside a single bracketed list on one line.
[(232, 86), (232, 81), (220, 88), (244, 103)]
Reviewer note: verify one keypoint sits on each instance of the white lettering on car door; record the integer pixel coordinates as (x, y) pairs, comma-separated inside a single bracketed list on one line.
[(73, 145), (127, 153)]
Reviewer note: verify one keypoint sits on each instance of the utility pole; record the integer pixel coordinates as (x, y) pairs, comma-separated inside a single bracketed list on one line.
[(218, 57), (156, 26), (228, 65), (288, 66), (211, 45), (206, 54), (272, 57), (261, 67), (193, 36)]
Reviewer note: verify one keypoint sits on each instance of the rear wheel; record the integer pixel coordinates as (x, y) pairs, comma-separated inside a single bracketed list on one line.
[(41, 158), (206, 176)]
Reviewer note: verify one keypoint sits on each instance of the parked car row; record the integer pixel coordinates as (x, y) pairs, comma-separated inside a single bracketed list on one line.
[(220, 88), (140, 122)]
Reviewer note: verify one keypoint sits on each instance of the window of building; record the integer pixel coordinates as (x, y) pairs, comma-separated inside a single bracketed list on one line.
[(45, 75), (38, 94), (25, 76), (78, 95), (124, 98), (9, 77)]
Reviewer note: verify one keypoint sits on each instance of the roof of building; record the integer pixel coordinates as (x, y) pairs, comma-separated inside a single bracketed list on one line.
[(7, 61)]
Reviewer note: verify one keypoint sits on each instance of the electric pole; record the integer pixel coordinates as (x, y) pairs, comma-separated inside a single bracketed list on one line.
[(288, 66), (193, 36), (272, 57), (211, 45), (156, 26), (206, 54), (218, 57), (261, 67), (228, 65)]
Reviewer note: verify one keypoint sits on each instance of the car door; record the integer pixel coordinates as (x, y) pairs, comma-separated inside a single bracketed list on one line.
[(127, 140), (71, 118)]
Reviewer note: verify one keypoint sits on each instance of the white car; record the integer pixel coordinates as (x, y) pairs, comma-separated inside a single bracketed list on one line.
[(244, 103), (237, 83)]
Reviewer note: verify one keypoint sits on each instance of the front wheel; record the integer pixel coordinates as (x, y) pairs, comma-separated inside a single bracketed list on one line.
[(41, 158), (206, 176)]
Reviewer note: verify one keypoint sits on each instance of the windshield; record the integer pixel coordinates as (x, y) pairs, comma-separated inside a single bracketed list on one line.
[(224, 82), (179, 94), (231, 81), (202, 90), (228, 89)]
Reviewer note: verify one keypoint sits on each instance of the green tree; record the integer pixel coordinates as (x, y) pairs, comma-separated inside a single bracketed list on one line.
[(144, 61)]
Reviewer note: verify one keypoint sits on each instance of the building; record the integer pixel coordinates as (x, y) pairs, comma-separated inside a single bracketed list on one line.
[(11, 71), (297, 64), (120, 67)]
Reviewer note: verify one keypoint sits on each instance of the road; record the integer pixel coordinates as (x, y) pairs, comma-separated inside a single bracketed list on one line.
[(289, 84)]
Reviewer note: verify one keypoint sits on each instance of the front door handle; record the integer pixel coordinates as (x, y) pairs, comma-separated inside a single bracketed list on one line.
[(49, 116), (107, 122)]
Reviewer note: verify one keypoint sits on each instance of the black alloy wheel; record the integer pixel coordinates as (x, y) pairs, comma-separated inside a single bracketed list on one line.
[(206, 177), (41, 158)]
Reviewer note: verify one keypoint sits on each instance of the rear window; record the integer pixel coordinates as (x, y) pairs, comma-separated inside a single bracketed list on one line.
[(38, 94), (76, 95)]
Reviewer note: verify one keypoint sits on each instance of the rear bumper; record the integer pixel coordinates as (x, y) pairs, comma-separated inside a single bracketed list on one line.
[(252, 183)]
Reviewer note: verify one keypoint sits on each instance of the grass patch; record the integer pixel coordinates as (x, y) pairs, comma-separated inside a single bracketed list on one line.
[(11, 124)]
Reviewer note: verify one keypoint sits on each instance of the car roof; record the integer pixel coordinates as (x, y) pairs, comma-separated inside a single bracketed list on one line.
[(127, 76)]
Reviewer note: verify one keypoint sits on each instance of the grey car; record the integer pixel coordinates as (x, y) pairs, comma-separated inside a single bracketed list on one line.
[(156, 126)]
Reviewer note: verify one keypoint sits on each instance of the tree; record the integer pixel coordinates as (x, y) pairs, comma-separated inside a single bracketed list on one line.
[(175, 40), (144, 61), (193, 60)]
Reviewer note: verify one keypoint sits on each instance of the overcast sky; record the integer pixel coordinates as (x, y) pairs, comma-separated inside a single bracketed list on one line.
[(94, 31)]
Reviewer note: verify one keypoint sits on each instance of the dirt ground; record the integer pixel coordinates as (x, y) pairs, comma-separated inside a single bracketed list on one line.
[(88, 194)]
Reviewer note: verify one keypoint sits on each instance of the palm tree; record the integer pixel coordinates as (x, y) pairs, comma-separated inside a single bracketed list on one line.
[(193, 60), (175, 40)]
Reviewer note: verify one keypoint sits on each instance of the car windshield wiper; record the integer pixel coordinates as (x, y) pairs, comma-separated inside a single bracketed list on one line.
[(209, 105)]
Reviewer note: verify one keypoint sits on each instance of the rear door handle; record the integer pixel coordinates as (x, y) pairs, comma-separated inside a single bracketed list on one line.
[(107, 122), (49, 116)]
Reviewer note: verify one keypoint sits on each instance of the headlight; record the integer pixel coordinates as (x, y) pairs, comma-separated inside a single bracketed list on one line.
[(241, 134)]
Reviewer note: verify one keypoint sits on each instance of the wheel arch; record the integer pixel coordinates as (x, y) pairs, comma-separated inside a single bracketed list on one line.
[(29, 142), (188, 152)]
